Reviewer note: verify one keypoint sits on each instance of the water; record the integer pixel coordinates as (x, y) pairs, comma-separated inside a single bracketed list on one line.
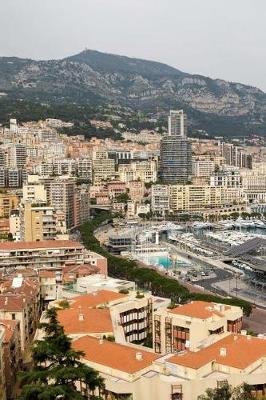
[(163, 260)]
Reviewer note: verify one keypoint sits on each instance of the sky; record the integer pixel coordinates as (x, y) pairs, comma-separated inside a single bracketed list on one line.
[(217, 38)]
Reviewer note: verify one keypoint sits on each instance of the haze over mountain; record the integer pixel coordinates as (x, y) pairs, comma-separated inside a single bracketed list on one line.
[(99, 78)]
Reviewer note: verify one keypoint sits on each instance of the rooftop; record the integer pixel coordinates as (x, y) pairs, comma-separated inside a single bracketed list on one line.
[(42, 244), (200, 309), (114, 355), (238, 351), (96, 298), (85, 320)]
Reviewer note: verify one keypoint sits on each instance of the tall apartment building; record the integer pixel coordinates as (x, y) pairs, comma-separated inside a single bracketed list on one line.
[(103, 169), (17, 156), (81, 205), (175, 151), (177, 123), (84, 168), (234, 155), (37, 222), (12, 177), (62, 198), (160, 198)]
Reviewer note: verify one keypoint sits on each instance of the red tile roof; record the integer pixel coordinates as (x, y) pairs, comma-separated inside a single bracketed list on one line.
[(197, 309), (96, 298), (113, 355), (12, 302), (95, 320), (241, 351)]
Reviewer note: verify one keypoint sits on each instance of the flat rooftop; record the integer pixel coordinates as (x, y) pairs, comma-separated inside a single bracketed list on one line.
[(42, 244)]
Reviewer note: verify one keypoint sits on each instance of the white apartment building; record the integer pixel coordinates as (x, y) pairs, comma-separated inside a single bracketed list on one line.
[(203, 168), (160, 198), (227, 176)]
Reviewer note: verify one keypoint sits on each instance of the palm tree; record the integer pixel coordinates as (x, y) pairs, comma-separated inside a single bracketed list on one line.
[(57, 372)]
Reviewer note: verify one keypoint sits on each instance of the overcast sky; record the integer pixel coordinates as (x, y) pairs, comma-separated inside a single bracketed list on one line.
[(221, 39)]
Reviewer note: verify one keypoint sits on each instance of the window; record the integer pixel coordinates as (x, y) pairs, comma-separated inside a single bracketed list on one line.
[(13, 316)]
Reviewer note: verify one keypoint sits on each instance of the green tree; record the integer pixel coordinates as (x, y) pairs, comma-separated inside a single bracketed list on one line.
[(57, 368), (226, 392)]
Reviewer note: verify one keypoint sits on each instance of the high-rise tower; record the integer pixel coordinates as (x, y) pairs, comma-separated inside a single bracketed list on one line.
[(175, 151)]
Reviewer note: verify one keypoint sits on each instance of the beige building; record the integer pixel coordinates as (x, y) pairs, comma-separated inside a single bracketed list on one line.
[(145, 171), (34, 192), (103, 169), (37, 222), (196, 198), (193, 324), (8, 202), (212, 350)]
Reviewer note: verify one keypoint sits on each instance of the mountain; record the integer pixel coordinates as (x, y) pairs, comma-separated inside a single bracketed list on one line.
[(92, 77)]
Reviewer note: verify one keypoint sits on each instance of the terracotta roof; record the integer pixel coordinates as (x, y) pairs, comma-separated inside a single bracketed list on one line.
[(95, 320), (42, 244), (46, 273), (241, 351), (113, 355), (12, 303), (96, 298), (198, 309)]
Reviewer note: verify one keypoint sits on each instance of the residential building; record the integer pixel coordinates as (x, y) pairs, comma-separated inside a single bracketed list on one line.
[(20, 300), (177, 123), (227, 176), (202, 168), (175, 159), (62, 198), (144, 171), (103, 168), (190, 325), (37, 222), (12, 356), (17, 156), (41, 254), (197, 198), (235, 155), (160, 198), (8, 202), (12, 178)]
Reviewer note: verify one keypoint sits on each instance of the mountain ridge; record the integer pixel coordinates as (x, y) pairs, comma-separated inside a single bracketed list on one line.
[(104, 78)]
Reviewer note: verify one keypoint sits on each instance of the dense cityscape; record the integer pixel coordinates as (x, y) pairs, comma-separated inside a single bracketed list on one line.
[(132, 200), (148, 251)]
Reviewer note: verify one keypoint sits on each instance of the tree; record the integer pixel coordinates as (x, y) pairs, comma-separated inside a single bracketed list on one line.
[(57, 369), (226, 392)]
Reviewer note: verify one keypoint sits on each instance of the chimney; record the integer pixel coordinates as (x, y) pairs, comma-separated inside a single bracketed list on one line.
[(222, 351), (139, 356), (101, 341), (243, 332), (81, 317)]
